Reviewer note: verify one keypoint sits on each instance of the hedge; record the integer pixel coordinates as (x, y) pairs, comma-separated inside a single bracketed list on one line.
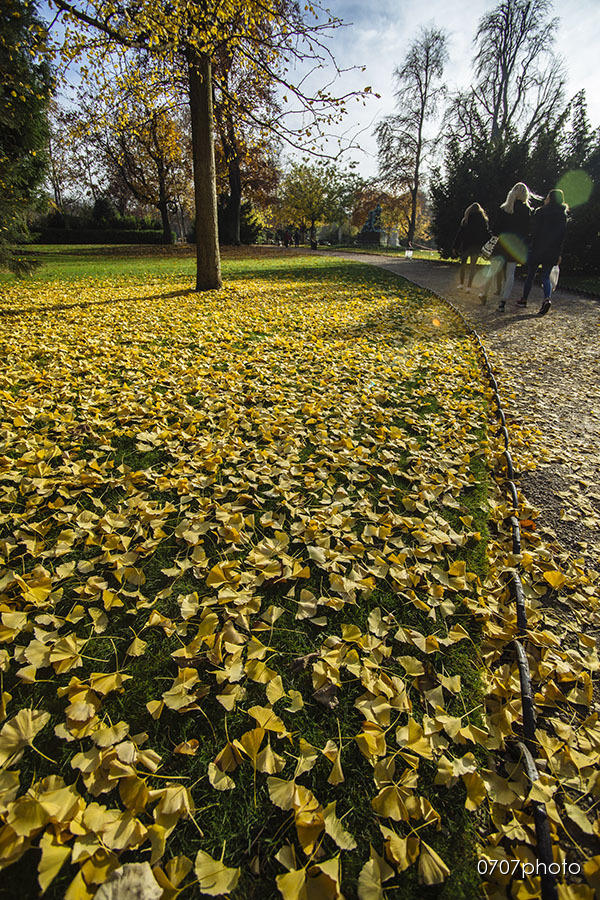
[(97, 236)]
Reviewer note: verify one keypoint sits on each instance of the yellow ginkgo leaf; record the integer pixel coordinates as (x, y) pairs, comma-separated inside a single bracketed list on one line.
[(476, 791), (432, 868), (53, 857), (187, 748), (373, 876), (219, 780), (268, 720), (20, 731), (336, 830), (292, 885), (555, 579), (269, 762), (411, 737), (214, 877), (401, 851)]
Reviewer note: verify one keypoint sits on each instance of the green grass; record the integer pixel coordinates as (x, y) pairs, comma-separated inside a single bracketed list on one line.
[(71, 262), (588, 283), (396, 253)]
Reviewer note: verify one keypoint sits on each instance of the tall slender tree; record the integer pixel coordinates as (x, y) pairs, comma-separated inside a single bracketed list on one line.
[(245, 105), (518, 87), (401, 138)]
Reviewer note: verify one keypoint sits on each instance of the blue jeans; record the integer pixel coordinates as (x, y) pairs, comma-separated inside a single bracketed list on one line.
[(532, 267)]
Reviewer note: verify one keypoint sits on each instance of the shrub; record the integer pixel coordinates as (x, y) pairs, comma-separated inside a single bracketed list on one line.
[(98, 236)]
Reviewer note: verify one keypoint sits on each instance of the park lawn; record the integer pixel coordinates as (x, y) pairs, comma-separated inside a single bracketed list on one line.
[(134, 262), (243, 544), (398, 252)]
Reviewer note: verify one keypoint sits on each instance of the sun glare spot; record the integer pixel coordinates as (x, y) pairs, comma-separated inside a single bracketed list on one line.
[(576, 186)]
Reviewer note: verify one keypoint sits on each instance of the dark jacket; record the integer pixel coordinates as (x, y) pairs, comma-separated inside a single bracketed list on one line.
[(548, 229), (513, 233), (473, 234)]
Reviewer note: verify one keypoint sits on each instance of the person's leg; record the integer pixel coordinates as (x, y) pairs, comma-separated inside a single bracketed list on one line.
[(472, 268), (495, 267), (509, 281), (462, 270), (547, 302), (532, 266), (500, 275), (546, 269)]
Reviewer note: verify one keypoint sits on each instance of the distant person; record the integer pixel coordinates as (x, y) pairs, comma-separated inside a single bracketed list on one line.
[(296, 238), (548, 230), (473, 233), (513, 224), (286, 238)]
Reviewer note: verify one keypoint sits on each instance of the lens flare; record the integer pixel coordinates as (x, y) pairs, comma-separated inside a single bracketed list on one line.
[(576, 186), (514, 245)]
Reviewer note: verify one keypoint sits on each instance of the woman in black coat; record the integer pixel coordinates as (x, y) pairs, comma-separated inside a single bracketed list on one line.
[(473, 233), (512, 227), (548, 234)]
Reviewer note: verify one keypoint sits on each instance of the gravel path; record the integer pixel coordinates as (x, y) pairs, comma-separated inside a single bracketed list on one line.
[(549, 374)]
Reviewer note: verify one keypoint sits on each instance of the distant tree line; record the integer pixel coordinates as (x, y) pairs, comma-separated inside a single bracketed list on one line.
[(512, 124)]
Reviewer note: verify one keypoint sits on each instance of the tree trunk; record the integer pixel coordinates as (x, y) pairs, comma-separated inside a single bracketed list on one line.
[(234, 206), (414, 194), (164, 218), (208, 262)]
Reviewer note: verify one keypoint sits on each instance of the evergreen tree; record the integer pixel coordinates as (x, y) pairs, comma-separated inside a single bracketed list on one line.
[(582, 243), (482, 173), (24, 100), (580, 137)]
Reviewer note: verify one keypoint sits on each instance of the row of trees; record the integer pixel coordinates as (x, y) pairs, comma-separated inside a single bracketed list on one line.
[(177, 107), (512, 124), (123, 150), (158, 81), (204, 53)]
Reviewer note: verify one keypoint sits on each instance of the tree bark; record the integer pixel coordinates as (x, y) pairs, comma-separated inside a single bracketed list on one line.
[(414, 194), (234, 205), (164, 218), (208, 261)]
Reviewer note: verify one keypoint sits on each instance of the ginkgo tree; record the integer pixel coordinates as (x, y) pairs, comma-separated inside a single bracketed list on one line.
[(268, 36)]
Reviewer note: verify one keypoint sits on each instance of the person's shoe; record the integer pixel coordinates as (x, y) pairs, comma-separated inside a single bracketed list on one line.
[(545, 307), (467, 290), (460, 287), (522, 302), (502, 306)]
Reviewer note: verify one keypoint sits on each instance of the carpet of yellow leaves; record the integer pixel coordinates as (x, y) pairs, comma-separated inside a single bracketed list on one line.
[(241, 568)]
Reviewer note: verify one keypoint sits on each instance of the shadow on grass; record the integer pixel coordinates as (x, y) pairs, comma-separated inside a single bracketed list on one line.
[(12, 312)]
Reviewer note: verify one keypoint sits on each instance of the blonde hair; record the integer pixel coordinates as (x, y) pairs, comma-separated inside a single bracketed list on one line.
[(520, 192), (471, 209)]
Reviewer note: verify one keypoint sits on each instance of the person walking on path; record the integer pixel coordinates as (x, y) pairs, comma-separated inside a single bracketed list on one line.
[(473, 233), (513, 234), (548, 230)]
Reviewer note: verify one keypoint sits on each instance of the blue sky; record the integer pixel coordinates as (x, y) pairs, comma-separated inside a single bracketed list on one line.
[(382, 30)]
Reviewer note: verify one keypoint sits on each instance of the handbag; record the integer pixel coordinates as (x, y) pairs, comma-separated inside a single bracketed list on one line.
[(489, 247), (554, 276)]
